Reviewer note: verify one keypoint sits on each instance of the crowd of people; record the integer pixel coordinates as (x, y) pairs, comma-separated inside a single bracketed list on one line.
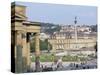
[(75, 66), (58, 65)]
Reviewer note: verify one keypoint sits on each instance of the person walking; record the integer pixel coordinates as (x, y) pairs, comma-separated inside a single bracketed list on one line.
[(59, 64)]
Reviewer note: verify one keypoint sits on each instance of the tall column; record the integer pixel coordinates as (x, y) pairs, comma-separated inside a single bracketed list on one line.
[(68, 43), (53, 46), (13, 54), (28, 52), (15, 39), (75, 32), (24, 52), (18, 48), (15, 51), (37, 53)]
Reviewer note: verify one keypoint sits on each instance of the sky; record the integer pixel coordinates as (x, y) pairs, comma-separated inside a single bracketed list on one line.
[(60, 13)]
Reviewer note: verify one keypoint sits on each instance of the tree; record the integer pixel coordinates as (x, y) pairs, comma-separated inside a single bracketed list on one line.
[(44, 45)]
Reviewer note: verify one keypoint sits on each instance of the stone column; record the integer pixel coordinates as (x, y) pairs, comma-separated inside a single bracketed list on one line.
[(68, 43), (15, 50), (24, 51), (37, 53), (53, 46), (15, 43), (13, 54), (28, 52), (18, 48)]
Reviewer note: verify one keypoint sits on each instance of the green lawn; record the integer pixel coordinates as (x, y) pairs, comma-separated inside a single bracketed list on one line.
[(51, 58)]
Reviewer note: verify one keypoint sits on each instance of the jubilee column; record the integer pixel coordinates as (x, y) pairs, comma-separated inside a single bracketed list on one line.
[(75, 23)]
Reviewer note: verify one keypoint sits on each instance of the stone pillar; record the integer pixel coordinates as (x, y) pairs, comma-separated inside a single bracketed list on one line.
[(68, 43), (28, 52), (37, 53), (13, 56), (24, 51), (15, 50), (53, 46), (18, 48)]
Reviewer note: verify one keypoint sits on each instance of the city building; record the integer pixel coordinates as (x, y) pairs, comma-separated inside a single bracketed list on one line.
[(61, 41)]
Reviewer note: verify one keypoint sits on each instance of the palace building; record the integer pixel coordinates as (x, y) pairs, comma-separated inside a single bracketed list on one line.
[(66, 41), (73, 38)]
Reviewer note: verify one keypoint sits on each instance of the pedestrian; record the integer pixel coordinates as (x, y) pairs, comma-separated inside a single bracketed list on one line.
[(59, 63), (54, 65)]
